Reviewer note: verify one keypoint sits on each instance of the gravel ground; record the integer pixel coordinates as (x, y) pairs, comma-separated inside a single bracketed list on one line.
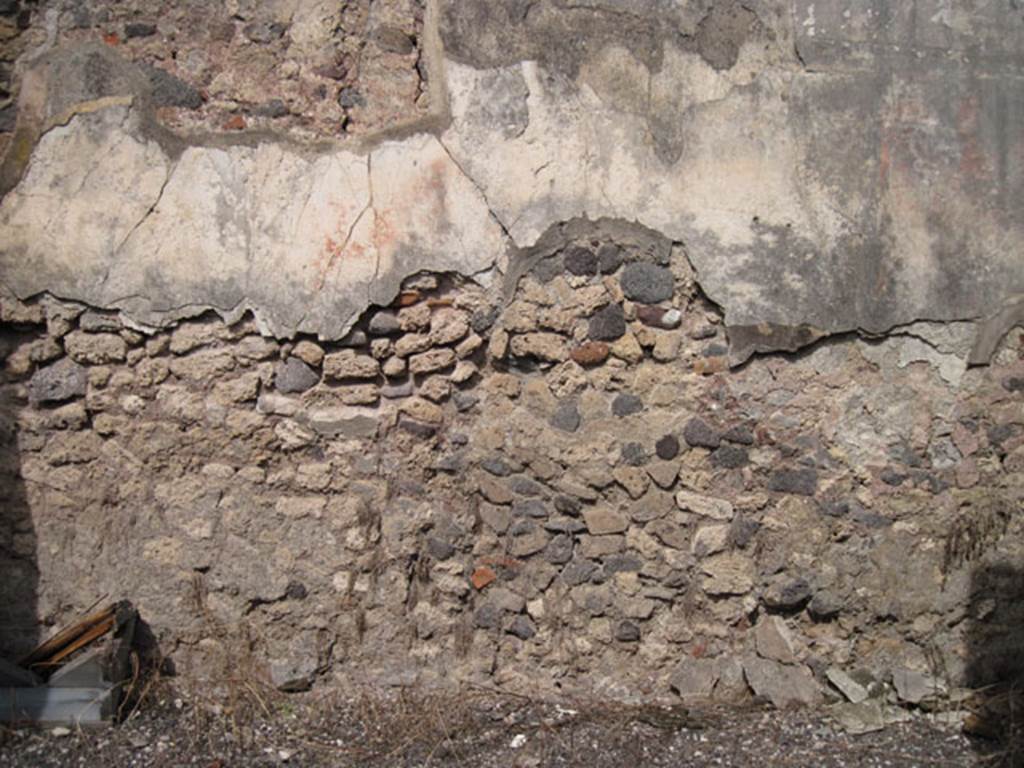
[(476, 729)]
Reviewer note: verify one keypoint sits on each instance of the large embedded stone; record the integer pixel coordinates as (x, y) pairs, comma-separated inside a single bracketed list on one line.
[(63, 380)]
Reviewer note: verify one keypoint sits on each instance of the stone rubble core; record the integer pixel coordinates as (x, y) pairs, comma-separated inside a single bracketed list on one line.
[(445, 494), (495, 393)]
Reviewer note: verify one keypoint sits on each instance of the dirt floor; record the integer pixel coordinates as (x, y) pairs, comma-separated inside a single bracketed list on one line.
[(479, 728)]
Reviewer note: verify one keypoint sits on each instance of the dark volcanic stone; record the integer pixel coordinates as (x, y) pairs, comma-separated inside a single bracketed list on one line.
[(487, 616), (742, 531), (626, 404), (482, 319), (1000, 433), (384, 323), (607, 324), (1014, 384), (417, 428), (296, 590), (139, 29), (791, 595), (803, 482), (609, 258), (566, 417), (63, 380), (530, 508), (698, 433), (580, 261), (496, 466), (891, 477), (262, 32), (464, 401), (647, 283), (451, 462), (824, 606), (522, 528), (567, 505), (524, 486), (730, 457), (559, 550), (522, 628), (627, 632), (440, 549), (634, 454), (349, 97), (170, 91), (667, 447), (740, 434), (578, 572), (622, 562), (293, 375)]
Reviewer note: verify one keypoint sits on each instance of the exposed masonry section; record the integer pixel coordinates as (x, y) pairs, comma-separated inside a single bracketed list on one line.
[(562, 488)]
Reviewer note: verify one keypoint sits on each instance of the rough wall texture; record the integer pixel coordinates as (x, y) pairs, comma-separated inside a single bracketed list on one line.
[(469, 393)]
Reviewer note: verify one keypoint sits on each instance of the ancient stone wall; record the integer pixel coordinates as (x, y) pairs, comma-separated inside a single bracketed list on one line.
[(568, 490), (642, 348)]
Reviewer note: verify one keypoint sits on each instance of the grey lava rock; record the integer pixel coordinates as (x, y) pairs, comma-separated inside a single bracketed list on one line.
[(170, 91), (464, 401), (609, 258), (139, 29), (559, 550), (263, 32), (802, 481), (522, 627), (496, 466), (647, 283), (788, 596), (730, 457), (607, 324), (627, 632), (824, 606), (580, 261), (626, 404), (63, 380), (566, 416), (349, 97), (578, 572), (293, 375), (740, 434), (384, 323), (487, 616), (567, 505), (634, 454), (742, 531), (667, 447), (699, 434)]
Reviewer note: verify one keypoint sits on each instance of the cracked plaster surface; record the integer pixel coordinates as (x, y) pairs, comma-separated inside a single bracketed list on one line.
[(821, 180)]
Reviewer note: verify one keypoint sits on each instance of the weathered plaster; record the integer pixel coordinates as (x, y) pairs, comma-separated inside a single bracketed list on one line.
[(827, 171)]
